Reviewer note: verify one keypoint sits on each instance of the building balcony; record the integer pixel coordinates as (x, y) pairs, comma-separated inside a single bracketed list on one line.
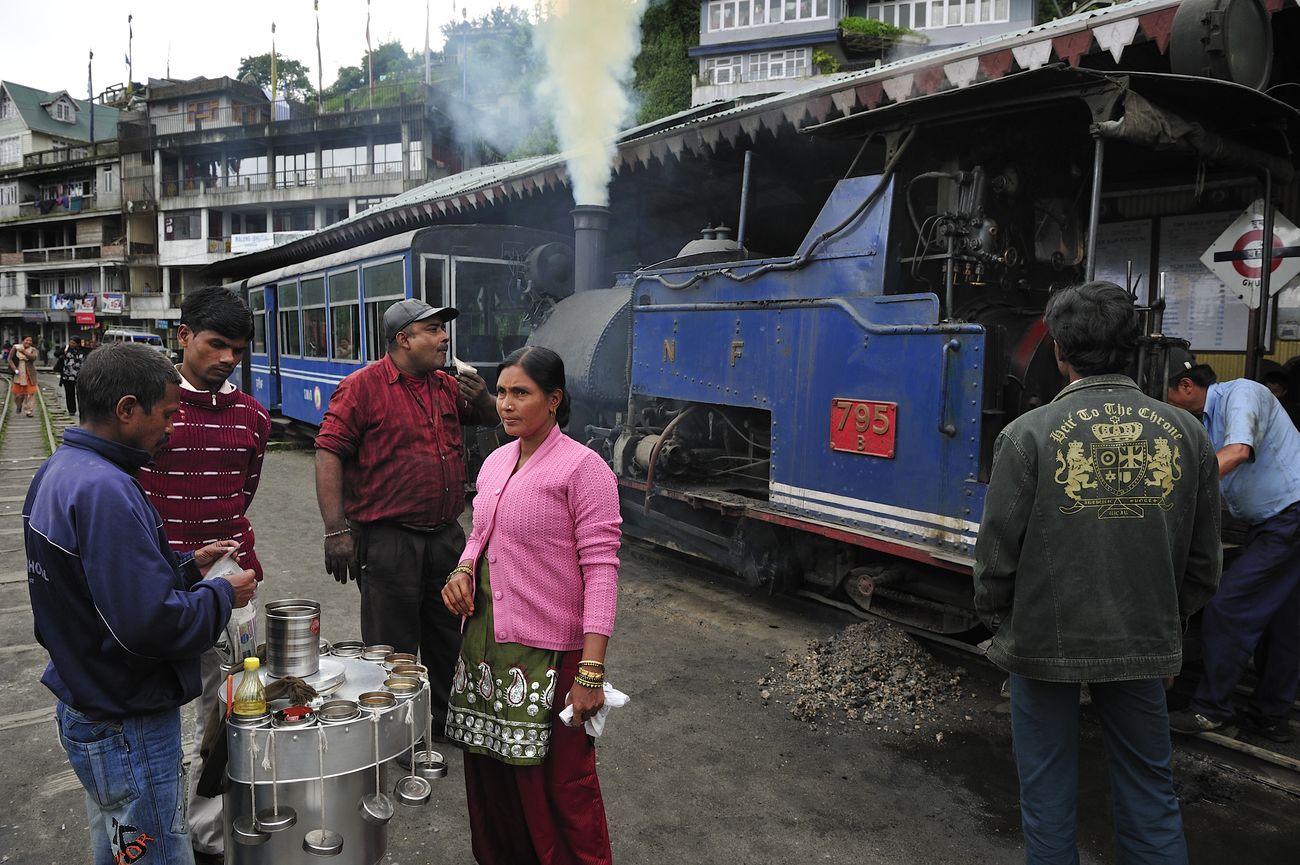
[(357, 107), (62, 156), (57, 206), (151, 305), (63, 254), (271, 187), (142, 254)]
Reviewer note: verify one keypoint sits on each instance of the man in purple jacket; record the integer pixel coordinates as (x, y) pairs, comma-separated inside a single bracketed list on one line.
[(123, 617)]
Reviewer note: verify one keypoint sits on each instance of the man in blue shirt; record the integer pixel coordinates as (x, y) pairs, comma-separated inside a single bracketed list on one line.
[(123, 617), (1257, 607)]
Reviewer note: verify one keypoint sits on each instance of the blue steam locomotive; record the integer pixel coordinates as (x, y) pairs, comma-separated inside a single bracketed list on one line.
[(824, 420)]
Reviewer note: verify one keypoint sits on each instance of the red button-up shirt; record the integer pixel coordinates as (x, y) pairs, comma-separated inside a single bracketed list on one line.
[(400, 441)]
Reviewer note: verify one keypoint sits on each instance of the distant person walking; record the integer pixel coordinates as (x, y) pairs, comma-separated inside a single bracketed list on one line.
[(22, 361), (68, 366)]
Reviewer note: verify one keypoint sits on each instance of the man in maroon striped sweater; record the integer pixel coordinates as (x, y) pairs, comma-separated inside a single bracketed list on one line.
[(203, 480)]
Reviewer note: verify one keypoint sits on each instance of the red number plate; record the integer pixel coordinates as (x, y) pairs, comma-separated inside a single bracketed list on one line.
[(862, 426)]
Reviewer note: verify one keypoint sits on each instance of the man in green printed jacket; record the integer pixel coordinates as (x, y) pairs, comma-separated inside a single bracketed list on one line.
[(1100, 538)]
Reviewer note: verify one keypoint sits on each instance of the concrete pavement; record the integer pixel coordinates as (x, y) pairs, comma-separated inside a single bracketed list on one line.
[(697, 769)]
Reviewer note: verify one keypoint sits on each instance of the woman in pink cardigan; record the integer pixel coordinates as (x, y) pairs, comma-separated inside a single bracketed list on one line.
[(537, 584)]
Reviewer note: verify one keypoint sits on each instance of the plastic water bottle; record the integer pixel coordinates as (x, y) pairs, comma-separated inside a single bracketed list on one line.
[(250, 696)]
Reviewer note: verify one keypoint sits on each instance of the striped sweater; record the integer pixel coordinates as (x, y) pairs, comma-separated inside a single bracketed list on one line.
[(203, 480)]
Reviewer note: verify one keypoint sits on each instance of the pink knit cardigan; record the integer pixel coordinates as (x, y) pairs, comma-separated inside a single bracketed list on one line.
[(551, 536)]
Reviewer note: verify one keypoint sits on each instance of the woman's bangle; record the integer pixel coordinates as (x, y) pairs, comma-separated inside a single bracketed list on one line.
[(588, 683), (329, 535), (460, 569), (587, 663)]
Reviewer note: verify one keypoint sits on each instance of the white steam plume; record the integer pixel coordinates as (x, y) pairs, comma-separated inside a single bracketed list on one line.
[(589, 46)]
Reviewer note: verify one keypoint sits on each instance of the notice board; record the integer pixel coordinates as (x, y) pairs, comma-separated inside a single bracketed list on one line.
[(1198, 306)]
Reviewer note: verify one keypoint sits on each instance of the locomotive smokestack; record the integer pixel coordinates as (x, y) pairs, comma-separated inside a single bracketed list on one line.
[(590, 226)]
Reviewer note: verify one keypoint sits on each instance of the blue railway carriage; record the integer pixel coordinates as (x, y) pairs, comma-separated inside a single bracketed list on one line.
[(319, 320)]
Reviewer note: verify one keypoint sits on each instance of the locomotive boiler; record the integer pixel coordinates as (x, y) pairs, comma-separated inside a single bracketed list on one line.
[(823, 419)]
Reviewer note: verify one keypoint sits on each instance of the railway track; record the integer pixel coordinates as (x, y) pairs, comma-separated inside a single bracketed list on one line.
[(1243, 759)]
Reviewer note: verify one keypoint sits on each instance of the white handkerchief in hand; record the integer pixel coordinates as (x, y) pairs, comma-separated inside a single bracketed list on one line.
[(614, 699)]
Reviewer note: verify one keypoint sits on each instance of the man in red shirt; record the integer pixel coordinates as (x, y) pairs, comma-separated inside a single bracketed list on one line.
[(204, 479), (390, 481)]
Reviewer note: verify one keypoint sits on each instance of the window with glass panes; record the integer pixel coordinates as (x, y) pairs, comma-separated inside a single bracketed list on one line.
[(723, 70), (769, 65), (286, 297), (492, 310), (384, 285), (933, 14), (257, 303), (345, 315), (729, 14), (315, 338)]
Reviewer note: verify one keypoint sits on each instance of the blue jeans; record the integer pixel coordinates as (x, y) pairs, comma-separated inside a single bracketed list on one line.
[(1258, 600), (132, 772), (1135, 730)]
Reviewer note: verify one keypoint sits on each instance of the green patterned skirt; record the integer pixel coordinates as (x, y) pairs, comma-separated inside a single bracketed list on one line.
[(502, 693)]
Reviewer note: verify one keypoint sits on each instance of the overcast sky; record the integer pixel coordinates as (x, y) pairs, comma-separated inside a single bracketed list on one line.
[(47, 42)]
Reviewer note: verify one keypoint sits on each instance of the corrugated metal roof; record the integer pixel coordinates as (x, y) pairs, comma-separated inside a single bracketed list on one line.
[(824, 86), (456, 184), (703, 127)]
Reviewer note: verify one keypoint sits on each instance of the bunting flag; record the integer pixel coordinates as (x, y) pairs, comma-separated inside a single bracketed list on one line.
[(90, 93), (130, 72), (274, 81), (370, 61), (319, 65)]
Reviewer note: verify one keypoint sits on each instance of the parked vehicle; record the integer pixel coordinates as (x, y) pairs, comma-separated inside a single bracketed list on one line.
[(139, 337)]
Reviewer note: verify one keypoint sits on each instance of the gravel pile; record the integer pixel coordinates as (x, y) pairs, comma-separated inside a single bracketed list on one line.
[(871, 672)]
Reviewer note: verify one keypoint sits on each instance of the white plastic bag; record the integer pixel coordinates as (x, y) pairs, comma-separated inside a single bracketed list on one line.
[(239, 640)]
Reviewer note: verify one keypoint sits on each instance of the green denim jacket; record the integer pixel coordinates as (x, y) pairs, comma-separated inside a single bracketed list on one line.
[(1100, 535)]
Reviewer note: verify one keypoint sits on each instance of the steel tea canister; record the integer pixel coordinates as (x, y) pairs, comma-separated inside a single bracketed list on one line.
[(293, 638)]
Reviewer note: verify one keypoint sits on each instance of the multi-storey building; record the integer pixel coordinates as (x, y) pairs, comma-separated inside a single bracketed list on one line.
[(62, 242), (211, 168), (754, 48)]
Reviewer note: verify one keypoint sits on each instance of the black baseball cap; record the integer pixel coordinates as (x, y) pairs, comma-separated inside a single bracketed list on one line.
[(404, 313), (1180, 361)]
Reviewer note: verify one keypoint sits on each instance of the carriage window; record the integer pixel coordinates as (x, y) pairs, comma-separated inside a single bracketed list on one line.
[(435, 288), (290, 339), (257, 303), (492, 309), (315, 338), (344, 315), (385, 285)]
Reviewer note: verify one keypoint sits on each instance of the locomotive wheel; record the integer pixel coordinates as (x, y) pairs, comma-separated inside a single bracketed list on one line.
[(761, 554), (860, 585)]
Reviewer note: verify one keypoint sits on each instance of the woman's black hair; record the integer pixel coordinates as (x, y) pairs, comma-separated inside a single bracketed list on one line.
[(545, 368)]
